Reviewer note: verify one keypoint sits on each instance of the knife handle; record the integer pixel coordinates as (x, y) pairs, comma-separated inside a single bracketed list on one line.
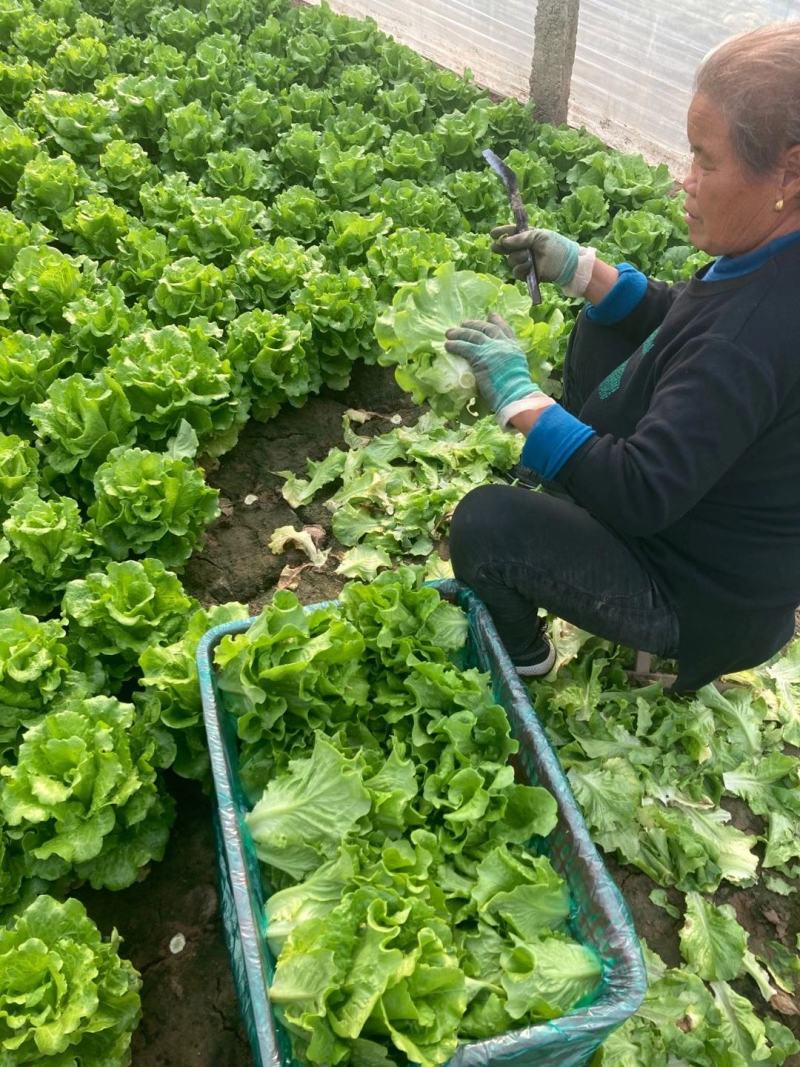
[(533, 286), (521, 222)]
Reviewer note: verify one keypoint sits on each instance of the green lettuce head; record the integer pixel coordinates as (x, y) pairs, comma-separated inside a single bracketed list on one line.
[(47, 188), (291, 671), (17, 146), (97, 320), (188, 288), (42, 282), (51, 544), (94, 225), (147, 503), (341, 309), (276, 359), (406, 255), (14, 233), (81, 420), (79, 123), (175, 374), (102, 806), (411, 333), (33, 668), (117, 613), (267, 275), (19, 469), (66, 996), (125, 167)]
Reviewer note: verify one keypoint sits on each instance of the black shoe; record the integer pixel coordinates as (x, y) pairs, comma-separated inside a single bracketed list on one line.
[(541, 660)]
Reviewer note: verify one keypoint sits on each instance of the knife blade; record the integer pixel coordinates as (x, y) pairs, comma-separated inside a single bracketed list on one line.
[(509, 180)]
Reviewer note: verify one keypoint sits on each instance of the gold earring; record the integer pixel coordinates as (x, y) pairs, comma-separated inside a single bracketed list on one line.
[(779, 204)]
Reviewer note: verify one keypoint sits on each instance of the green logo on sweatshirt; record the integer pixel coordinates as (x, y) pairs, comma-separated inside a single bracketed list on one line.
[(611, 384), (648, 342)]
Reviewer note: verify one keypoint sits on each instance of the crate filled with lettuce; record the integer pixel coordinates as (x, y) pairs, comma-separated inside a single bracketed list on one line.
[(405, 874)]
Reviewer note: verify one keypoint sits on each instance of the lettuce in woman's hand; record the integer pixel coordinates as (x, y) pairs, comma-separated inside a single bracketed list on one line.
[(411, 334)]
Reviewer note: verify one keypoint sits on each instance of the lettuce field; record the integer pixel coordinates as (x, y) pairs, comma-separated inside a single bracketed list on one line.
[(232, 235)]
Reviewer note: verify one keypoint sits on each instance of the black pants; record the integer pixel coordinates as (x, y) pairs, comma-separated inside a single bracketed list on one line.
[(522, 550)]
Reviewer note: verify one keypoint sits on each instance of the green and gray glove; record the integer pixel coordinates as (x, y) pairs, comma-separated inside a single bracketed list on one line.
[(557, 258), (498, 363)]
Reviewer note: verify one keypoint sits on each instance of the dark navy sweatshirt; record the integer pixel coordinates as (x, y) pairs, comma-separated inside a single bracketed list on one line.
[(691, 452)]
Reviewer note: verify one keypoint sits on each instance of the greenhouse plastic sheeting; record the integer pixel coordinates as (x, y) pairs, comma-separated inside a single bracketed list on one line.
[(634, 60), (600, 917), (494, 38)]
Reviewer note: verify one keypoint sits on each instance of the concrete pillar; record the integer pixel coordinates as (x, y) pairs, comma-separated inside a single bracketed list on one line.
[(555, 33)]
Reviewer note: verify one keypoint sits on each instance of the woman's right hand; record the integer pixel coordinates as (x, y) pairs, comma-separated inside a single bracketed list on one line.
[(557, 259)]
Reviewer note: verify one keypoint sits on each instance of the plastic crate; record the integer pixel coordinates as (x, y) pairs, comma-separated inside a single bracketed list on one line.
[(601, 918)]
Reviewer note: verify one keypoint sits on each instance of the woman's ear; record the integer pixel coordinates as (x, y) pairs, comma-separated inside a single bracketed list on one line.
[(790, 183)]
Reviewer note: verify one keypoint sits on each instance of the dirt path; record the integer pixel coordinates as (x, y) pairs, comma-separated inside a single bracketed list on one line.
[(235, 562)]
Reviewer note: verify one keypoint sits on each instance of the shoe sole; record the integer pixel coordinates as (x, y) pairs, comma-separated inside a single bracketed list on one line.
[(536, 670)]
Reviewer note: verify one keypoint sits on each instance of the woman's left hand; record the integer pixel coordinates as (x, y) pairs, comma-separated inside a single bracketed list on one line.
[(498, 362)]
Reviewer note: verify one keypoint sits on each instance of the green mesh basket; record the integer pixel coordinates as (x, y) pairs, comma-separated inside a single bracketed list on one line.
[(600, 916)]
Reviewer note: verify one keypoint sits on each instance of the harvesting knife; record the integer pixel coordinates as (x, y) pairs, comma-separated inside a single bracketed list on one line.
[(509, 180)]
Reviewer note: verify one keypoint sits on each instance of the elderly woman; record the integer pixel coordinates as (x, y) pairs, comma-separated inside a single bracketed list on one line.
[(671, 516)]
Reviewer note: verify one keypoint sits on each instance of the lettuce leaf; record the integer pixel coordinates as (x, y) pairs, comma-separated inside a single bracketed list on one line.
[(712, 941), (306, 813)]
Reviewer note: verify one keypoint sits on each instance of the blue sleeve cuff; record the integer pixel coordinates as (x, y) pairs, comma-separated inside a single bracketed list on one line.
[(555, 436), (620, 301)]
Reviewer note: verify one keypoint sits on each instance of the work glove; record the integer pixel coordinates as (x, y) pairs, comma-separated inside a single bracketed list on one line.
[(556, 258), (498, 363)]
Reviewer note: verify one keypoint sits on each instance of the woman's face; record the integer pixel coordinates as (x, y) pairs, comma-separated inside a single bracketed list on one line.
[(729, 211)]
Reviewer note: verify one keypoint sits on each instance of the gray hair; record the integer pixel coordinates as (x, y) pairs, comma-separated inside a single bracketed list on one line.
[(754, 78)]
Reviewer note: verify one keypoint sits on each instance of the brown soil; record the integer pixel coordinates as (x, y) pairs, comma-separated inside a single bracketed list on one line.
[(235, 562), (191, 1018)]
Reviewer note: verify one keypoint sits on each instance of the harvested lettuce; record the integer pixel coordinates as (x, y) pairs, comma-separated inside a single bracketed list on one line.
[(409, 914), (411, 333)]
